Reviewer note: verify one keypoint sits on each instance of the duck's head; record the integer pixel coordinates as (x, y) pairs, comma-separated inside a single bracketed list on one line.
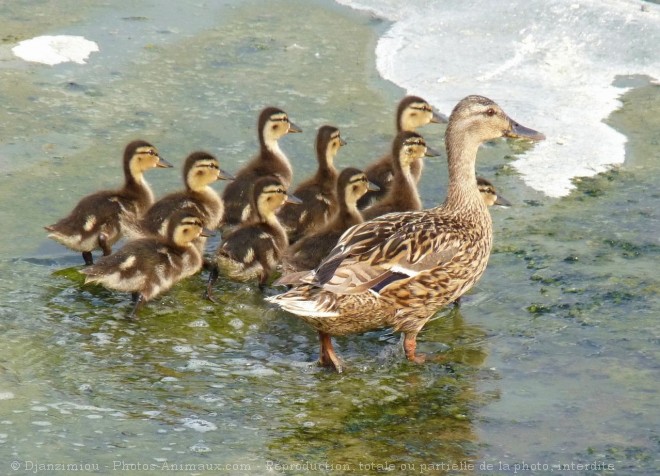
[(485, 120), (275, 124), (201, 169), (140, 156), (328, 142), (409, 146), (414, 112), (352, 184), (184, 227), (268, 195), (489, 193)]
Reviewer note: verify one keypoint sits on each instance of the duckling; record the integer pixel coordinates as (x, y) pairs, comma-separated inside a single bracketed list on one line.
[(254, 248), (412, 112), (307, 253), (490, 195), (199, 170), (408, 147), (398, 269), (147, 267), (318, 194), (99, 219), (273, 125)]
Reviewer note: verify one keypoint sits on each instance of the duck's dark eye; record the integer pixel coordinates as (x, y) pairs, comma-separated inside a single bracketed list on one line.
[(490, 112)]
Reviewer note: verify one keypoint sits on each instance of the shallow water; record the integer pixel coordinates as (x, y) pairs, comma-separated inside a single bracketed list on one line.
[(551, 360)]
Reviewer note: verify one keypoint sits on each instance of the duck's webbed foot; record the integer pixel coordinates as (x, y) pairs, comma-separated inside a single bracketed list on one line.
[(328, 357), (213, 277), (87, 256), (410, 346), (138, 299)]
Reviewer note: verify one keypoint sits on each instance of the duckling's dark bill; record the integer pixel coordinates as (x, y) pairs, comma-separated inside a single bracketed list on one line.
[(431, 152), (439, 118), (163, 163)]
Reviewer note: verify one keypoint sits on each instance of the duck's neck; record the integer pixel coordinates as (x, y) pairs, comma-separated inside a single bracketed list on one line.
[(348, 214), (406, 193), (270, 151), (326, 175), (271, 219), (463, 192), (135, 183)]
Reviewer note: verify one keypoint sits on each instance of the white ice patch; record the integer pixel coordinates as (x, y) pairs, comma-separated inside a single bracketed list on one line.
[(53, 50), (550, 64)]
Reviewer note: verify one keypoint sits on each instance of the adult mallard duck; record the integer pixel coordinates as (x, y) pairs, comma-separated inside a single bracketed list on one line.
[(255, 248), (408, 147), (99, 219), (399, 269), (273, 124), (147, 267), (200, 169), (412, 112), (318, 193), (307, 253)]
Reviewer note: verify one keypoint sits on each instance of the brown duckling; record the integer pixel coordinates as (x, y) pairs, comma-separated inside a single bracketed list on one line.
[(199, 171), (254, 249), (146, 267), (307, 253), (489, 193), (318, 193), (273, 124), (412, 112), (408, 147), (99, 219), (397, 270)]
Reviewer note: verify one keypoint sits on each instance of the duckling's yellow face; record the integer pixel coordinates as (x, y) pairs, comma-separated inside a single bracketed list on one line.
[(334, 145), (188, 229), (145, 158), (277, 126), (417, 114), (412, 149), (271, 198), (489, 194), (202, 173), (356, 187)]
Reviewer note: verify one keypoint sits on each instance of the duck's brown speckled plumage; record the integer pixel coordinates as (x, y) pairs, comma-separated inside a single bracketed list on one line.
[(399, 269), (307, 253), (407, 148), (272, 125), (147, 267), (100, 219), (199, 170), (318, 193), (412, 112)]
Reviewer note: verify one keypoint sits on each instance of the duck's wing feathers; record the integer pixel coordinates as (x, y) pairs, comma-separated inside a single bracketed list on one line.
[(374, 254)]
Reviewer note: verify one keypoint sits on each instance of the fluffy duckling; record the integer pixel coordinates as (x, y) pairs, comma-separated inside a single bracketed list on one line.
[(99, 219), (254, 248), (397, 270), (199, 171), (318, 193), (147, 267), (412, 112), (408, 147), (307, 253), (490, 195), (273, 125)]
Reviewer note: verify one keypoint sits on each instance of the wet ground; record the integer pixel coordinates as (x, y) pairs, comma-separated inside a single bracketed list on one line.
[(551, 361)]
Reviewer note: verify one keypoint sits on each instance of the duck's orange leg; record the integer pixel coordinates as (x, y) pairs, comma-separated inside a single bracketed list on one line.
[(409, 346), (328, 357)]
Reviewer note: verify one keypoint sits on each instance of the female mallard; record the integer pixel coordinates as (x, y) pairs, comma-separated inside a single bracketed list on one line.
[(398, 269), (407, 148), (199, 171), (318, 194), (149, 266), (412, 112), (307, 253), (99, 219), (273, 125), (254, 248)]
